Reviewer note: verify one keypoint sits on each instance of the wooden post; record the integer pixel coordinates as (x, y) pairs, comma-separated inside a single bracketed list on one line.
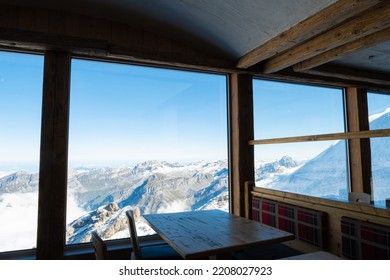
[(359, 149), (53, 157), (241, 132), (248, 199)]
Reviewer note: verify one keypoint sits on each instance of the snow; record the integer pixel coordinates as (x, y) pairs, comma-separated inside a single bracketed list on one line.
[(377, 116), (18, 216), (3, 174)]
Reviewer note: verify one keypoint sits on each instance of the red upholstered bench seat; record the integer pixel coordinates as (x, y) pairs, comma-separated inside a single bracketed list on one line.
[(364, 240), (308, 225)]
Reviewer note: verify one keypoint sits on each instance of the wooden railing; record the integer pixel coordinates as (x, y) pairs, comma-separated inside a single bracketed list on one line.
[(324, 137)]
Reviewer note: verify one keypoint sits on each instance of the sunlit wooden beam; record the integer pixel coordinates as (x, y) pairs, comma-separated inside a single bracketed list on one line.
[(312, 26), (359, 44), (369, 22), (337, 71)]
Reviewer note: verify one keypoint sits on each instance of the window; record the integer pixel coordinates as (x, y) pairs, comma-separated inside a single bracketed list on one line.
[(379, 118), (21, 77), (146, 138), (316, 168)]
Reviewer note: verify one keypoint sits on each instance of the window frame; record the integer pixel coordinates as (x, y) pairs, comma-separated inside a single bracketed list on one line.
[(163, 68), (17, 51), (80, 249), (314, 137)]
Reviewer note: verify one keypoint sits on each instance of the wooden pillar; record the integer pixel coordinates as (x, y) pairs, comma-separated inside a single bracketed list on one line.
[(53, 157), (359, 149), (241, 131)]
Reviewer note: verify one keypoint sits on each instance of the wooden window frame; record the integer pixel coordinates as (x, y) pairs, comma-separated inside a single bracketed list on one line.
[(358, 135)]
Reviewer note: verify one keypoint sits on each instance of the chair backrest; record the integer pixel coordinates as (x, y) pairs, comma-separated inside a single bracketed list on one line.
[(99, 246), (133, 234)]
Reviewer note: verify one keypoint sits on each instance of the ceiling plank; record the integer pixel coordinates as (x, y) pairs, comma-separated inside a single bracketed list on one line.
[(314, 25), (359, 44), (336, 71), (373, 20)]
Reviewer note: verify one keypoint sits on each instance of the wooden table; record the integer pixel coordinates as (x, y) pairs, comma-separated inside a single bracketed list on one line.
[(202, 234)]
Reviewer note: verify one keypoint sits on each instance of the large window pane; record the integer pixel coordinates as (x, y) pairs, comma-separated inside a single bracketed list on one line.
[(324, 175), (150, 139), (379, 116), (21, 78), (316, 168), (285, 109)]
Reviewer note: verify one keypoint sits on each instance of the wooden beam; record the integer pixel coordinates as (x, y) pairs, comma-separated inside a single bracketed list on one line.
[(359, 44), (314, 25), (336, 71), (288, 75), (359, 149), (189, 61), (53, 157), (42, 41), (241, 163), (373, 20), (324, 137)]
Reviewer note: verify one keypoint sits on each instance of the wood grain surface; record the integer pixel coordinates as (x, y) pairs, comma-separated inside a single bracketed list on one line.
[(208, 233)]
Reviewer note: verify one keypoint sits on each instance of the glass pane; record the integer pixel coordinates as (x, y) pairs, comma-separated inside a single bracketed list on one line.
[(21, 77), (378, 110), (150, 139), (323, 175), (379, 116), (317, 168), (284, 110)]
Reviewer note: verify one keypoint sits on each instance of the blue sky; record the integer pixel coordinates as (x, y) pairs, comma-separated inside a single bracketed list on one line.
[(285, 109), (20, 109), (123, 113), (126, 114)]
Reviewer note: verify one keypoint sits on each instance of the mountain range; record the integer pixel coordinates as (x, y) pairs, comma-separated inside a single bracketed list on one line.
[(326, 174)]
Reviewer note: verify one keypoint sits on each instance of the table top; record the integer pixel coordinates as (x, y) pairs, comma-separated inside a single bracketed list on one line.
[(208, 233)]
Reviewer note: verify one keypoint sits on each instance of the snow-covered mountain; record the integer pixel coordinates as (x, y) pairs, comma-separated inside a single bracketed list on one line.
[(152, 186), (322, 176), (149, 187), (326, 174), (380, 153), (99, 197), (268, 169)]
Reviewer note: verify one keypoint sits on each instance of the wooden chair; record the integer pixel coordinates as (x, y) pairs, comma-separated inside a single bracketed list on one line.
[(150, 252), (99, 246)]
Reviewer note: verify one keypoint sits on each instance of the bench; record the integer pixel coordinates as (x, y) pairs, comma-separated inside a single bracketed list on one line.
[(364, 240), (306, 224)]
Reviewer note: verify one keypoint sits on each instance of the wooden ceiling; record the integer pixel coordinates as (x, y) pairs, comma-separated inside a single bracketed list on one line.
[(338, 41)]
